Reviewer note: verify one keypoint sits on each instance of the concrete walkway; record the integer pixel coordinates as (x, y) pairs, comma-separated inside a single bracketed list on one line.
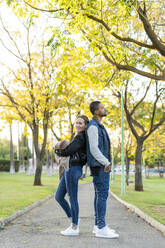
[(40, 228)]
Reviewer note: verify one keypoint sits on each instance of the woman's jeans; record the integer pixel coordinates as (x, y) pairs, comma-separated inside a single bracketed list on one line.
[(101, 187), (69, 184)]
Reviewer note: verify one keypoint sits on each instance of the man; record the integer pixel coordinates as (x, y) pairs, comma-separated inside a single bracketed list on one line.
[(99, 160)]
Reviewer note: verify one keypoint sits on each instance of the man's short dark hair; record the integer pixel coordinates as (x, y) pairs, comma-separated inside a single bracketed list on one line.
[(94, 106)]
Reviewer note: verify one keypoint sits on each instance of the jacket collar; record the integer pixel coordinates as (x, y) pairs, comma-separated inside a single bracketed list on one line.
[(101, 125)]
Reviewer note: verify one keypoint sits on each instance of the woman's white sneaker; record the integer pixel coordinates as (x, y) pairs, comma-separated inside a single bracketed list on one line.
[(70, 231), (105, 232), (95, 229)]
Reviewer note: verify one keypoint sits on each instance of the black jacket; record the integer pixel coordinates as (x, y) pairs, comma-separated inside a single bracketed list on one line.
[(76, 150)]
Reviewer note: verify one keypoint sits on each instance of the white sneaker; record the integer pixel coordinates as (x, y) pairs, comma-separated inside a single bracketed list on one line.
[(95, 229), (105, 232), (70, 231), (79, 220)]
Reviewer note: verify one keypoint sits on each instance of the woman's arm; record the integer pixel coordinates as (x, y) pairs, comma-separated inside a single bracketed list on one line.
[(72, 148)]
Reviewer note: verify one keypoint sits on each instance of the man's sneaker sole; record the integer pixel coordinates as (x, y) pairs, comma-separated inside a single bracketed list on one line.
[(107, 237), (112, 230), (71, 234)]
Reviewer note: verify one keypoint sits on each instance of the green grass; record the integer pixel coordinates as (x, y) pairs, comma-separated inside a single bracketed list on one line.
[(151, 200), (17, 191)]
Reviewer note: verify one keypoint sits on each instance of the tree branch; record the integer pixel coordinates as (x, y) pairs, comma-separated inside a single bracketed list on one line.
[(150, 32), (135, 107), (129, 119), (126, 39), (43, 10), (133, 69), (13, 41), (55, 135)]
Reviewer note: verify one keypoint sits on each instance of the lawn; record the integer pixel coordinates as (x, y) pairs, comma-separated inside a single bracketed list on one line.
[(17, 191), (151, 200)]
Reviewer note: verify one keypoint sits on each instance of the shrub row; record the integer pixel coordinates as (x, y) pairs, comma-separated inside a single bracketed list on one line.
[(5, 165)]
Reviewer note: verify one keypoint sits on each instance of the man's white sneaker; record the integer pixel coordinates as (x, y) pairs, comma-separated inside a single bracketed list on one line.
[(95, 229), (105, 232), (70, 231), (79, 220)]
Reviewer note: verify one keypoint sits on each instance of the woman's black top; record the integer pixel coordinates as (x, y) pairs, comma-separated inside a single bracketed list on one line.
[(76, 150)]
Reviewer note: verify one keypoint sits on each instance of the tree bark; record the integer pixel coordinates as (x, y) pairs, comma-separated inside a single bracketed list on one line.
[(21, 159), (40, 151), (138, 166), (37, 179), (127, 168), (38, 172), (12, 168), (33, 158), (48, 164)]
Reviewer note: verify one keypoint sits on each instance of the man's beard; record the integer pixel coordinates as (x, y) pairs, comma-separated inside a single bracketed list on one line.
[(103, 115)]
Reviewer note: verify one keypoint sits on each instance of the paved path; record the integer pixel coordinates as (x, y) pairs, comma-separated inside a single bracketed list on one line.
[(40, 228)]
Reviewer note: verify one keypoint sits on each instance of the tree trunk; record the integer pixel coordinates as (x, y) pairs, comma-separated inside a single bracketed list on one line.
[(52, 161), (48, 164), (27, 152), (29, 164), (21, 161), (33, 158), (37, 179), (138, 166), (12, 168), (127, 168), (39, 150)]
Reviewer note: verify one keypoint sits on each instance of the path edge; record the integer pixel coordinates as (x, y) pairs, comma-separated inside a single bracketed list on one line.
[(6, 220), (160, 227)]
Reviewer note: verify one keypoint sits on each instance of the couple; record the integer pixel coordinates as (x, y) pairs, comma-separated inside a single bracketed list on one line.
[(92, 145)]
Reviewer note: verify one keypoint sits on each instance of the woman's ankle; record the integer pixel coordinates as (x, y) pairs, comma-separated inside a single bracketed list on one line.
[(70, 219), (74, 226)]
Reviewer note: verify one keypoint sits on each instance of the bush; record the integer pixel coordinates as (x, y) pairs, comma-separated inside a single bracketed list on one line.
[(5, 165)]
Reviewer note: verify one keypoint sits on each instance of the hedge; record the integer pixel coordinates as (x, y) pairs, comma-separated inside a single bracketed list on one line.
[(5, 165)]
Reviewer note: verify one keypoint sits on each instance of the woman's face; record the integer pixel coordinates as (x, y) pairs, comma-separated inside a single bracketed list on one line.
[(80, 125)]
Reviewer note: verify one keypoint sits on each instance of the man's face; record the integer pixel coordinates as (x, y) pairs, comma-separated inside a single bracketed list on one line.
[(101, 111)]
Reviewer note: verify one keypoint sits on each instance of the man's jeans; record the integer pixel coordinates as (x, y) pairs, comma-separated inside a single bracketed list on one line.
[(69, 184), (101, 187)]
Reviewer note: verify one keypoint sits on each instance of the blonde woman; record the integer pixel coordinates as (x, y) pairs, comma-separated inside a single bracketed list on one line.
[(69, 181)]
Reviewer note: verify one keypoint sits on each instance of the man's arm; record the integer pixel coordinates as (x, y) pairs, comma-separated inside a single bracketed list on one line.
[(93, 137)]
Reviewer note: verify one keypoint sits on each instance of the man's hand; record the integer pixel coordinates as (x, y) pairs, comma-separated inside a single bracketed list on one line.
[(107, 168)]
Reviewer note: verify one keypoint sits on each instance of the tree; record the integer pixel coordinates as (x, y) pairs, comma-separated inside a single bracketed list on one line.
[(129, 34), (143, 119), (12, 168), (77, 76), (129, 146), (113, 121), (154, 149), (9, 117), (21, 149), (31, 91)]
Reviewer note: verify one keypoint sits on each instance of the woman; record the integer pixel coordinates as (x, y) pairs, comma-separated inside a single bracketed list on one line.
[(69, 181)]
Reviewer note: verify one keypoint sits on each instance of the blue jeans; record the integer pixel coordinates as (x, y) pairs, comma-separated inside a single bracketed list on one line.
[(69, 184), (101, 187)]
